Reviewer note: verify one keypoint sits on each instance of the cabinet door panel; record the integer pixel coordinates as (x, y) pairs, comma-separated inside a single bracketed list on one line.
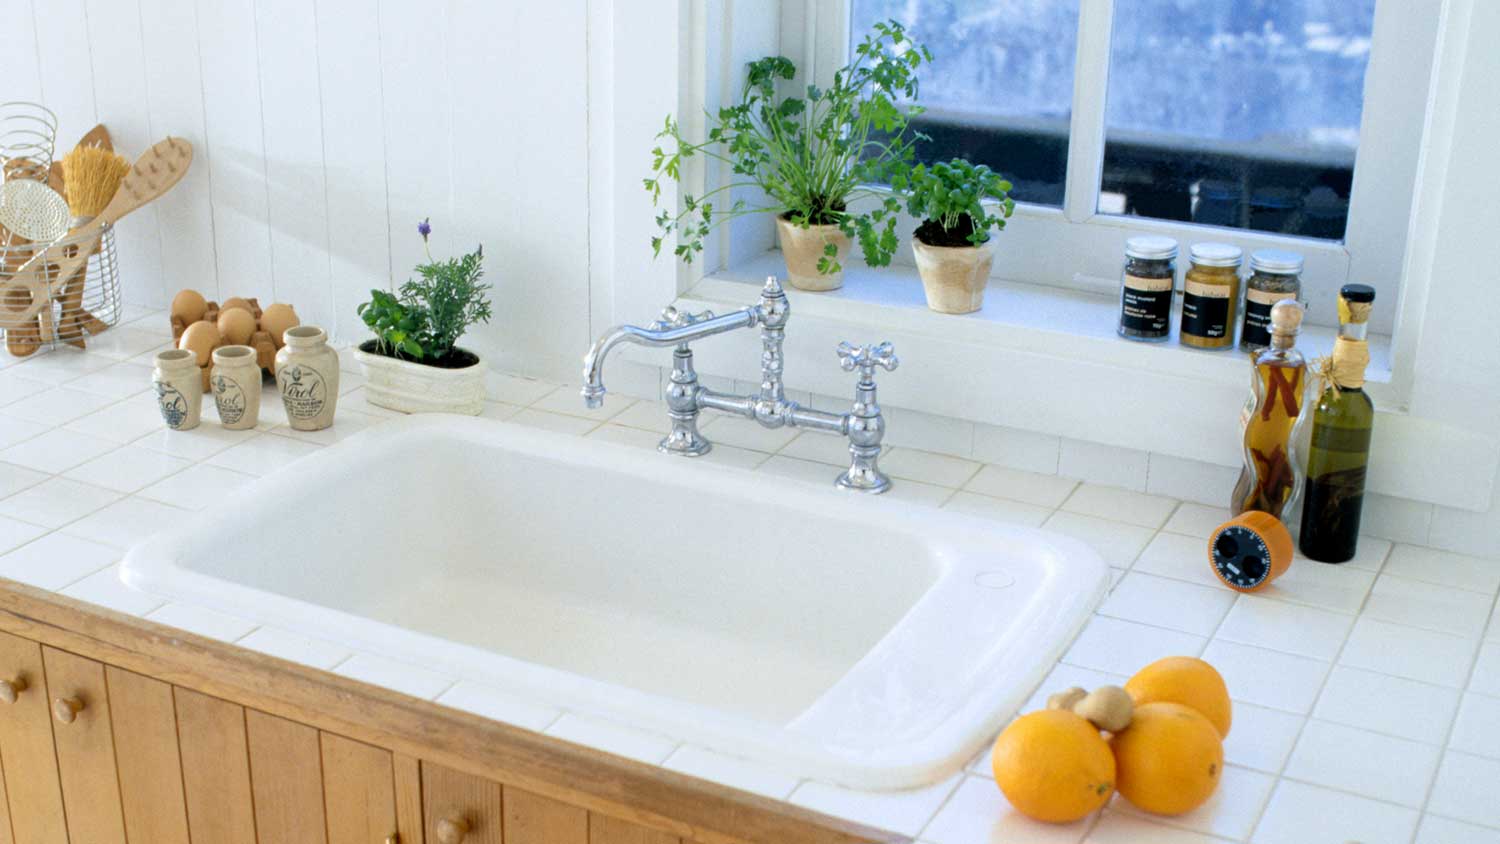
[(215, 769), (533, 819), (32, 787), (145, 724), (286, 778), (408, 798), (604, 829), (448, 795), (359, 788), (85, 748)]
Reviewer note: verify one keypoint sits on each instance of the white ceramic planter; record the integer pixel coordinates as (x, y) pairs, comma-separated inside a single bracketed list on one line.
[(954, 276), (802, 248), (414, 388)]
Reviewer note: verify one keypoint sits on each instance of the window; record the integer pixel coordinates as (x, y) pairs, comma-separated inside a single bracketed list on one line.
[(1241, 114), (1001, 89), (1293, 124)]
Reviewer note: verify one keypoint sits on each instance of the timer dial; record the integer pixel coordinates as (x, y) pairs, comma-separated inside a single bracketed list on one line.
[(1250, 550)]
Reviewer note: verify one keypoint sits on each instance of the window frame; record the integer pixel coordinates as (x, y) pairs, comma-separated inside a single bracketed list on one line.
[(1076, 247)]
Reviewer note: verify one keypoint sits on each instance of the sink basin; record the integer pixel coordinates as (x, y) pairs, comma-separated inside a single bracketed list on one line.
[(841, 637)]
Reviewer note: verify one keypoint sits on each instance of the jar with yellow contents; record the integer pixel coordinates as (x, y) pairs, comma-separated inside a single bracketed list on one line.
[(1210, 296)]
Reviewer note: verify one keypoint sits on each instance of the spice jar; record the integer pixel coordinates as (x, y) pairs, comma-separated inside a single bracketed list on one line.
[(1274, 275), (1146, 287), (1210, 294)]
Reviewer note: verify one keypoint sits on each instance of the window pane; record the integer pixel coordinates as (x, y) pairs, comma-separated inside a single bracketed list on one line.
[(1000, 88), (1240, 113)]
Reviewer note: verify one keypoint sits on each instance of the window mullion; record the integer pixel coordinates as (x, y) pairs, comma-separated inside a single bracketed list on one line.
[(1086, 131)]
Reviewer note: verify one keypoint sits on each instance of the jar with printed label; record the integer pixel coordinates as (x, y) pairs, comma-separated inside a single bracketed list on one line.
[(1146, 288), (1210, 296), (1275, 275)]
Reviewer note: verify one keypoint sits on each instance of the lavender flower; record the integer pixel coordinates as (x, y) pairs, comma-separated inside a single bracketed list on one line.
[(424, 228)]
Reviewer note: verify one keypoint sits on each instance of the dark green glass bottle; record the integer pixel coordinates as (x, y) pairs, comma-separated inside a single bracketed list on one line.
[(1339, 450)]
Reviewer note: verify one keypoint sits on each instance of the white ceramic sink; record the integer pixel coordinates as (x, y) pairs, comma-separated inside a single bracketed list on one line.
[(842, 637)]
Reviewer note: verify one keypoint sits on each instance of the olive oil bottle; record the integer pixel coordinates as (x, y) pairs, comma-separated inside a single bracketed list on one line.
[(1270, 476), (1339, 448)]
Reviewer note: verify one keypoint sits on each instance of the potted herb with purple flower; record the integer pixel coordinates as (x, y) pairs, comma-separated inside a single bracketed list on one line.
[(414, 364)]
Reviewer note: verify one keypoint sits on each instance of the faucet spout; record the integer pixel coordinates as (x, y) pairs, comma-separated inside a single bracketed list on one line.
[(679, 330)]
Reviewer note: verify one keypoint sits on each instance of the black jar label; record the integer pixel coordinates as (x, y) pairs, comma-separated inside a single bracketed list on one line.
[(1205, 310), (1258, 304), (1146, 305)]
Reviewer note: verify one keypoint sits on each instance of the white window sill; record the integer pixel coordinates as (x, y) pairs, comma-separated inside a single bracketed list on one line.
[(1076, 325)]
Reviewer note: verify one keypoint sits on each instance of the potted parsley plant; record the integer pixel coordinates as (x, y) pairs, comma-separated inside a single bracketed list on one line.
[(414, 363), (813, 152), (959, 203)]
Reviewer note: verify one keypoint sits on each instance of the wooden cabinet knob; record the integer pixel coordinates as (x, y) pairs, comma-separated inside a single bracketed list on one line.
[(452, 830), (11, 689), (66, 709), (393, 838)]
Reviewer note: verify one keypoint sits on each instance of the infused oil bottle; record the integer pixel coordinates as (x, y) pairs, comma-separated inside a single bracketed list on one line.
[(1339, 449), (1270, 476)]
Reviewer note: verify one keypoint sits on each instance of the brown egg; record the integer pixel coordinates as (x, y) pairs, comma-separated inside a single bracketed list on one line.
[(189, 305), (276, 319), (236, 325), (234, 302), (202, 338)]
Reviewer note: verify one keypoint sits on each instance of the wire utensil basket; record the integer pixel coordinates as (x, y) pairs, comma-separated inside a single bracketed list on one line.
[(41, 308), (37, 306)]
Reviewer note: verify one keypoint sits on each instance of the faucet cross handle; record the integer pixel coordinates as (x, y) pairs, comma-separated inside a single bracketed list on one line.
[(673, 318), (866, 358)]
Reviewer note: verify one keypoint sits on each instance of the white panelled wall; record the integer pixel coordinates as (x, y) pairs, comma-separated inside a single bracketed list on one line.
[(326, 129)]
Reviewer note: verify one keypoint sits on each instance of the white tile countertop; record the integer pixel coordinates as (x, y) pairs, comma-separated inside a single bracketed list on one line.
[(1367, 696)]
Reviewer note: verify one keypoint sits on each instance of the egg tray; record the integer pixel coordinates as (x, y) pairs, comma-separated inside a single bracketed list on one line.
[(261, 340)]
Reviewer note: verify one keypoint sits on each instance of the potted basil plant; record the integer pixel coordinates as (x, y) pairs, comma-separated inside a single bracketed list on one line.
[(812, 154), (413, 364), (959, 203)]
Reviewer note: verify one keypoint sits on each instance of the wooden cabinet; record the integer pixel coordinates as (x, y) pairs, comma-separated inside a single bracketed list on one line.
[(148, 757), (286, 780), (461, 808), (26, 750), (85, 744), (178, 740), (215, 769)]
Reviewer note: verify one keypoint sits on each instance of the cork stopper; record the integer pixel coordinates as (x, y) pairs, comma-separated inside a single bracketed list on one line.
[(1355, 302), (1286, 318)]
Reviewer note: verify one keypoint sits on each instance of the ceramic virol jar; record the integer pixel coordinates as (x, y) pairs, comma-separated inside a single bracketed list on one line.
[(179, 388), (235, 381), (307, 371), (1210, 296)]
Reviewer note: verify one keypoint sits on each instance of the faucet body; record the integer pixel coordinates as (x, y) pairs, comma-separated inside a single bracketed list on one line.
[(686, 399)]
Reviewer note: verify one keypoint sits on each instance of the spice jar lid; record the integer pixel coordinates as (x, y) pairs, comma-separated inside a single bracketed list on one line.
[(1211, 254), (1151, 247), (1276, 261)]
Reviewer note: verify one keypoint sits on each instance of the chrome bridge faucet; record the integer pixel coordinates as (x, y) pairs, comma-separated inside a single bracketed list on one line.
[(863, 425)]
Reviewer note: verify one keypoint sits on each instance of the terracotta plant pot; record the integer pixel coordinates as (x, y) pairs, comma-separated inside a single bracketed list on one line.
[(417, 388), (803, 247), (954, 276)]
